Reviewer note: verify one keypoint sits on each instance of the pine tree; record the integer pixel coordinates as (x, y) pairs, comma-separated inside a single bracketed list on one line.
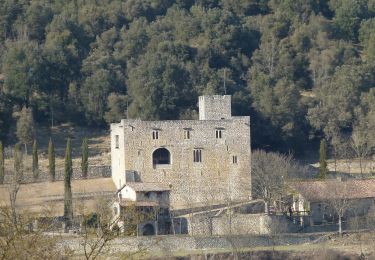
[(35, 161), (323, 170), (2, 165), (68, 205), (51, 160), (85, 157)]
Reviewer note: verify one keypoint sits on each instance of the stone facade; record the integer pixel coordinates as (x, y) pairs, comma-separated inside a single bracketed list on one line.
[(203, 161)]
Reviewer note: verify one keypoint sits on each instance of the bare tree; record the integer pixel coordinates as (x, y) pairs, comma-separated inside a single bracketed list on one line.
[(269, 174), (338, 200), (361, 147), (346, 153), (96, 232), (336, 141), (17, 242)]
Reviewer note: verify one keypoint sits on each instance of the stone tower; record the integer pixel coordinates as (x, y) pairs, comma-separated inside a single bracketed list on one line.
[(203, 161)]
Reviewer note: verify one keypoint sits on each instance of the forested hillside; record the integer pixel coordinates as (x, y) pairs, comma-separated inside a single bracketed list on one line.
[(302, 69)]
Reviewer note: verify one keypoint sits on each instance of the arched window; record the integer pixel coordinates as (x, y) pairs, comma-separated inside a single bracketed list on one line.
[(161, 156), (148, 230)]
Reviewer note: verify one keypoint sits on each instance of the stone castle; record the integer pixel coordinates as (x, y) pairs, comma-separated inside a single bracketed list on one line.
[(203, 162)]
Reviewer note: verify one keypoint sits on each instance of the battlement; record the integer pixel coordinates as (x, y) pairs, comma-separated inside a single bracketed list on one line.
[(215, 107)]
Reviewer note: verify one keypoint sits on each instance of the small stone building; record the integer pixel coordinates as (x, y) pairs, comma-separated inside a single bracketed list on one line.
[(205, 161), (320, 199), (145, 205)]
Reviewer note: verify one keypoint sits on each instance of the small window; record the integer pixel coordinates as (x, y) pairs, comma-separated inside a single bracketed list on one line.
[(197, 155), (155, 134), (186, 134), (234, 159), (117, 141), (219, 133)]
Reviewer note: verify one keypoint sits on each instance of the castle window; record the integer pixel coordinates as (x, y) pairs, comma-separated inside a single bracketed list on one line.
[(186, 134), (161, 156), (219, 133), (197, 155), (234, 159), (117, 141), (155, 134)]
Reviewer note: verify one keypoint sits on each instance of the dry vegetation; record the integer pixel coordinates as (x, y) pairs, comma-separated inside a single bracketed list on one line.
[(99, 147), (49, 196)]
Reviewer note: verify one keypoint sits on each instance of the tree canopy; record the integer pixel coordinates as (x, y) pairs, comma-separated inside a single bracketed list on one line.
[(303, 70)]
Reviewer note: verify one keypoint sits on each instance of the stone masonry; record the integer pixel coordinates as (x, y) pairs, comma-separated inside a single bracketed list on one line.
[(204, 161)]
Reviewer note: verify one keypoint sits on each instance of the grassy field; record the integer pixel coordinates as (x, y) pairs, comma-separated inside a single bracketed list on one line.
[(48, 197)]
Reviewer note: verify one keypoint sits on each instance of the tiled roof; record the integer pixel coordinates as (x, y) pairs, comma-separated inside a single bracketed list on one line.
[(323, 190), (147, 186)]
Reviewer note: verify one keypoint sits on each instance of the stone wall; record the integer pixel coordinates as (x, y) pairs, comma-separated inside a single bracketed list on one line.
[(167, 244), (215, 107), (239, 224)]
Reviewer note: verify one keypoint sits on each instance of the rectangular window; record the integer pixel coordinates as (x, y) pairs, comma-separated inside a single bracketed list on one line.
[(186, 134), (197, 155), (219, 133), (234, 159), (117, 141), (155, 134)]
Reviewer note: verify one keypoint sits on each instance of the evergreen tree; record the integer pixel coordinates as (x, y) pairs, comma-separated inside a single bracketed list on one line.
[(51, 160), (25, 127), (35, 161), (85, 157), (2, 166), (323, 170), (68, 204)]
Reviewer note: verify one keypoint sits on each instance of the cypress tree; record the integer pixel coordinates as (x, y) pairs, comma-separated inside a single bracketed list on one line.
[(51, 160), (323, 170), (25, 127), (2, 164), (68, 205), (85, 157), (35, 161)]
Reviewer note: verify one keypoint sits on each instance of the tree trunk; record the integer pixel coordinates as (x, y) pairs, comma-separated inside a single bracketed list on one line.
[(340, 225)]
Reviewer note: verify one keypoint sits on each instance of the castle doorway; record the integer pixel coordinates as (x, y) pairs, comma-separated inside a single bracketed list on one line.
[(161, 156), (148, 230)]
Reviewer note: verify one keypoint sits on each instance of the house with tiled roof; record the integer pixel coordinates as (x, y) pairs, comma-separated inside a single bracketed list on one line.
[(318, 197)]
